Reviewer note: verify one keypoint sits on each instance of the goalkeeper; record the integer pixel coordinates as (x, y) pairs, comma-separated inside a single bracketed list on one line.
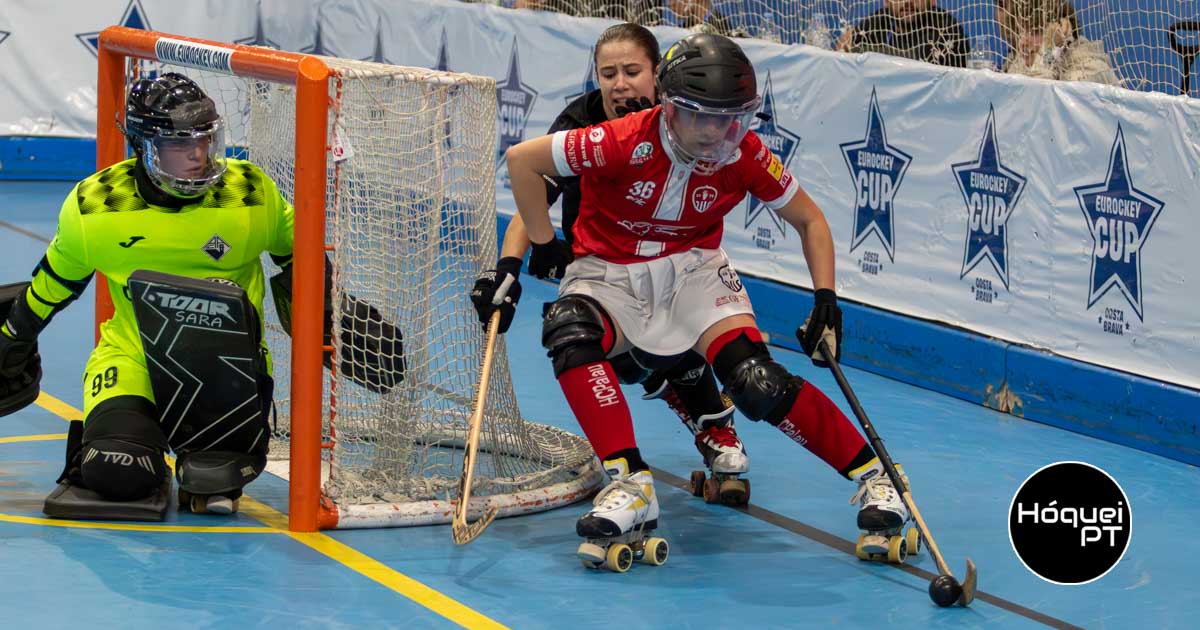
[(182, 364)]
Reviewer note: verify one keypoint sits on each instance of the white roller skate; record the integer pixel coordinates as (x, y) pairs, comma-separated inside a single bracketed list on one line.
[(617, 527), (725, 456), (882, 516)]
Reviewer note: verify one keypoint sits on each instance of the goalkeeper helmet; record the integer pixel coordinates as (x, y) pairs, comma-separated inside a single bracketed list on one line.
[(710, 97), (176, 133)]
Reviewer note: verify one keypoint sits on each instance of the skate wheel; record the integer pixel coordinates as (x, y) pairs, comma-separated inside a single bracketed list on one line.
[(591, 555), (221, 505), (696, 483), (712, 490), (656, 551), (746, 482), (734, 492), (198, 505), (897, 549), (185, 500), (862, 554), (913, 537), (619, 558)]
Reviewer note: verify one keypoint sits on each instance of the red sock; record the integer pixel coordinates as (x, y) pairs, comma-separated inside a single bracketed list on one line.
[(595, 397), (818, 425)]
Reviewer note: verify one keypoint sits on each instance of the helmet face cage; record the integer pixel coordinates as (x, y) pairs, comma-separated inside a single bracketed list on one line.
[(706, 136), (187, 162), (177, 134)]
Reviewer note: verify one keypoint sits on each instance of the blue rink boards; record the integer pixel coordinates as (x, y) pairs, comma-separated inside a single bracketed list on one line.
[(786, 562)]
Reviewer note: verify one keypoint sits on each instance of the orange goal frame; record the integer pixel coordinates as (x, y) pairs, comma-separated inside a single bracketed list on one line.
[(307, 511)]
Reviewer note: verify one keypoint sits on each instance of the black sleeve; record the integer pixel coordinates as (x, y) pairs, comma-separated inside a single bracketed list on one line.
[(873, 30)]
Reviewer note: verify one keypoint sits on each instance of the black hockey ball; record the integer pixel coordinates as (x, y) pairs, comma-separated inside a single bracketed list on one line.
[(944, 590)]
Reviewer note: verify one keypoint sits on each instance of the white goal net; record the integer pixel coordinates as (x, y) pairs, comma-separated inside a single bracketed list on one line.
[(410, 223)]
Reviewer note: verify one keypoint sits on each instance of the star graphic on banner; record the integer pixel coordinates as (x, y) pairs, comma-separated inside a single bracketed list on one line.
[(443, 57), (589, 79), (135, 17), (991, 192), (1119, 218), (782, 142), (877, 170), (259, 38), (514, 103), (377, 54)]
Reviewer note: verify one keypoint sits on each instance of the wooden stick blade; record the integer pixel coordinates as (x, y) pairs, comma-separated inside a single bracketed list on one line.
[(968, 586), (464, 532)]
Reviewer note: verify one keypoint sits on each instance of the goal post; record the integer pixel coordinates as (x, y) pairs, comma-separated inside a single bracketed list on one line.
[(391, 171)]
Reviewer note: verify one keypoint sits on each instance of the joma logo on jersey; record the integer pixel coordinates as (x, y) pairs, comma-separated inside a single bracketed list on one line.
[(876, 168), (991, 192), (1119, 218), (194, 310)]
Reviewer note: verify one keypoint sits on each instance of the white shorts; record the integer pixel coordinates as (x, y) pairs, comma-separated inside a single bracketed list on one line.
[(662, 306)]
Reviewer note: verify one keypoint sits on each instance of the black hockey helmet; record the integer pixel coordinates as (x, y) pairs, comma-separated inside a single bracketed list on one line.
[(710, 96), (177, 133)]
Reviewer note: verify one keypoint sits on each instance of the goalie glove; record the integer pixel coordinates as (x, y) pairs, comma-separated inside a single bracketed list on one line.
[(550, 260), (20, 363), (631, 105)]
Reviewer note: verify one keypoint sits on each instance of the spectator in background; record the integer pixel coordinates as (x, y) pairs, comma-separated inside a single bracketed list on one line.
[(915, 29), (1044, 41), (700, 17)]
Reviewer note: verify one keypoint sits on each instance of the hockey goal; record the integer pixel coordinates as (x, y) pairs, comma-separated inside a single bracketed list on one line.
[(391, 172)]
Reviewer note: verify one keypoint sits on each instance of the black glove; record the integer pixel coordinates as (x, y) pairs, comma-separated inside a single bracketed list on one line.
[(484, 292), (20, 363), (550, 260), (630, 105), (825, 317)]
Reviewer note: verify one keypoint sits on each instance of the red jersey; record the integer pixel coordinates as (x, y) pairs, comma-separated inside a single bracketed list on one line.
[(638, 204)]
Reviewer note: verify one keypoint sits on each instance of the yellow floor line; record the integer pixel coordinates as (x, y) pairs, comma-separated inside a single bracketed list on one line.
[(276, 522), (33, 438), (135, 527)]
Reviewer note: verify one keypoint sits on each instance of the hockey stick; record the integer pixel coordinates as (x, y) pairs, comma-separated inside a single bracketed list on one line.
[(944, 590), (462, 531)]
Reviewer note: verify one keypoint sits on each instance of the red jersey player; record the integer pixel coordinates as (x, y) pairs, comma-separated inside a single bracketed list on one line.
[(646, 271)]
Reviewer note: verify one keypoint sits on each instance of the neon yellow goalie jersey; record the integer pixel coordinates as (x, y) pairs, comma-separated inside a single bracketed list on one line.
[(106, 226)]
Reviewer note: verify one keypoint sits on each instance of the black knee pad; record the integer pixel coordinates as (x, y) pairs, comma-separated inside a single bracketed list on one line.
[(218, 472), (639, 366), (572, 331), (121, 458), (761, 388)]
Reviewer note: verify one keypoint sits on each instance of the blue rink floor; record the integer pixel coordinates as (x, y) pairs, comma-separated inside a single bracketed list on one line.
[(787, 561)]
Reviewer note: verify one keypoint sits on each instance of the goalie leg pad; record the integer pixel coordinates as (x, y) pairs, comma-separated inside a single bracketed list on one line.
[(124, 476), (201, 341), (218, 472)]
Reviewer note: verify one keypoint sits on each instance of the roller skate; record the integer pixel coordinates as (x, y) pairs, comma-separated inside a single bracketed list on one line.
[(618, 526), (726, 458), (882, 516), (207, 504)]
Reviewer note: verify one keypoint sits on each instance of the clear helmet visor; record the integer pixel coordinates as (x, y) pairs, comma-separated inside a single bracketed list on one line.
[(706, 136), (186, 163)]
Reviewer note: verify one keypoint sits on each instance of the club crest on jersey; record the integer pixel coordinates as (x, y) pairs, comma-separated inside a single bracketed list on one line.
[(779, 144), (216, 247), (641, 154), (991, 192), (703, 198), (729, 278), (876, 170), (1119, 217)]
